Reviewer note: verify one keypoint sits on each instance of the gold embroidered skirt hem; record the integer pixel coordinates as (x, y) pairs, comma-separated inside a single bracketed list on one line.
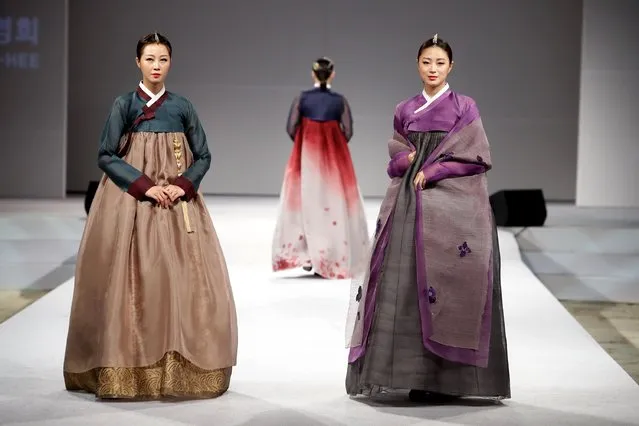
[(172, 377)]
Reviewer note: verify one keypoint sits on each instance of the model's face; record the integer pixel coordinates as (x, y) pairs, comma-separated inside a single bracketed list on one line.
[(434, 66), (154, 63)]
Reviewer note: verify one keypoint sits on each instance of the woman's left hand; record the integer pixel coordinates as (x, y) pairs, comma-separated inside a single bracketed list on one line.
[(174, 192), (420, 180)]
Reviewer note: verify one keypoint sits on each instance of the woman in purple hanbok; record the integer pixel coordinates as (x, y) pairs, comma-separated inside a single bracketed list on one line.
[(427, 314)]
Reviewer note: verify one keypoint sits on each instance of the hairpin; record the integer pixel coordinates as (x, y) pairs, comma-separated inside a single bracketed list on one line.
[(435, 39)]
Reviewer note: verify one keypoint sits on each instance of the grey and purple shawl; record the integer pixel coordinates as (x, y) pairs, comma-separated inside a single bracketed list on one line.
[(453, 233)]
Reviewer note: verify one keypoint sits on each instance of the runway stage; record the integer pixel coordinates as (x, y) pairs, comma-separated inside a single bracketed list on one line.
[(292, 359)]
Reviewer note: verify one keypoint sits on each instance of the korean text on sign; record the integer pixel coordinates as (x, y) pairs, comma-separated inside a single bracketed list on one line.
[(21, 30)]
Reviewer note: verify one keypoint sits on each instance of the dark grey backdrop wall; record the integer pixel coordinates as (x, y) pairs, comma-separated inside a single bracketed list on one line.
[(33, 76), (242, 62)]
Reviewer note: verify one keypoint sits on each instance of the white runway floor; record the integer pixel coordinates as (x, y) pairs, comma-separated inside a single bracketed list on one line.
[(292, 360)]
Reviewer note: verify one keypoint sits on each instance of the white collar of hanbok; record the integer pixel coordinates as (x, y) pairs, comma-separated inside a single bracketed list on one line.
[(154, 97), (429, 99), (328, 86)]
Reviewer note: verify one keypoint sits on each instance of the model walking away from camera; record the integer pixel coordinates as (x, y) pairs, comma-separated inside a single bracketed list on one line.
[(321, 224), (153, 313), (427, 314)]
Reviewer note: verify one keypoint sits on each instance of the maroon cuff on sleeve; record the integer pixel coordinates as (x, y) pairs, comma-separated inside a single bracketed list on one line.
[(138, 187), (187, 186)]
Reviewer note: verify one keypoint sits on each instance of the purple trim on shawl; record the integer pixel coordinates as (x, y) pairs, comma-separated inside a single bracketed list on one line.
[(478, 357), (371, 294), (448, 169), (398, 165), (439, 171)]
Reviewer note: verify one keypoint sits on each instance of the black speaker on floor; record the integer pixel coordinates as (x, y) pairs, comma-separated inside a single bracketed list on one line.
[(519, 207), (88, 198)]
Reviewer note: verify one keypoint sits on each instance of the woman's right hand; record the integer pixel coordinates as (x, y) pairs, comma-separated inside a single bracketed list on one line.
[(158, 194), (420, 180), (411, 156)]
